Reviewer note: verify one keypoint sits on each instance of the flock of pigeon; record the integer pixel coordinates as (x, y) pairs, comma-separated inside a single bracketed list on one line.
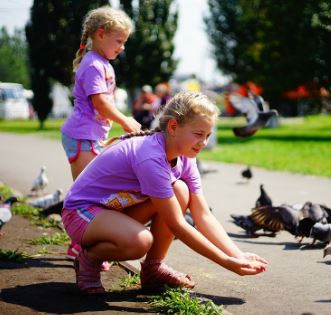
[(310, 220), (48, 204)]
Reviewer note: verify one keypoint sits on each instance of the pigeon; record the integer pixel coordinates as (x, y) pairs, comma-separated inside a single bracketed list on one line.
[(40, 182), (264, 199), (276, 218), (189, 219), (327, 250), (5, 212), (247, 173), (47, 200), (313, 211), (53, 209), (321, 232), (246, 223), (252, 128), (203, 169)]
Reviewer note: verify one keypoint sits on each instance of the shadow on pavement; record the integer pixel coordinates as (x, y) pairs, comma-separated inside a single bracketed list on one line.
[(37, 263), (64, 298)]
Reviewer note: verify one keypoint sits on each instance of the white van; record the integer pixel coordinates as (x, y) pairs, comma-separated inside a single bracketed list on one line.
[(13, 104)]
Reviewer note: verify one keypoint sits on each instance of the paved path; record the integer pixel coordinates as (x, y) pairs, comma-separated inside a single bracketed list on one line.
[(297, 281)]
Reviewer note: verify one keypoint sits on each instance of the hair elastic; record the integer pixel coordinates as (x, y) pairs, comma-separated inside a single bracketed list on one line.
[(82, 46)]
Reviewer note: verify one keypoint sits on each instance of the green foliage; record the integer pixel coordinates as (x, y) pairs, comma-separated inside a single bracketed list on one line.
[(148, 57), (131, 280), (5, 192), (13, 58), (53, 239), (179, 301), (10, 255), (276, 44)]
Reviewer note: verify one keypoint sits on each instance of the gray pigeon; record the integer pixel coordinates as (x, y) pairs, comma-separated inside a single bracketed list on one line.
[(313, 211), (5, 211), (40, 182), (321, 232), (246, 223), (204, 169), (48, 200)]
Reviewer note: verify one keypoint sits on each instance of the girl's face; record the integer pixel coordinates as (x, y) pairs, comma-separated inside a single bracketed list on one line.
[(190, 139), (111, 44)]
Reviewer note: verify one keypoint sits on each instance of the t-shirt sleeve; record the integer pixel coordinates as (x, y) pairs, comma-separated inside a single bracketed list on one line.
[(94, 81), (191, 175), (155, 178)]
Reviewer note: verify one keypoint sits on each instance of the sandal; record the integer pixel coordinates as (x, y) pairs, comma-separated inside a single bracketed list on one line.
[(88, 276), (155, 274)]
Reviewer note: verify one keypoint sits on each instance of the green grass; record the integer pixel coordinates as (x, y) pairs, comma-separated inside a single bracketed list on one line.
[(12, 255), (131, 280), (298, 145), (179, 301), (53, 239)]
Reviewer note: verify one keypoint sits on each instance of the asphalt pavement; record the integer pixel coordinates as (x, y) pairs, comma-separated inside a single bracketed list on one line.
[(298, 278)]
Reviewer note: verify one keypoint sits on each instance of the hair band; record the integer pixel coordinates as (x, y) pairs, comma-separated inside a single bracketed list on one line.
[(82, 46)]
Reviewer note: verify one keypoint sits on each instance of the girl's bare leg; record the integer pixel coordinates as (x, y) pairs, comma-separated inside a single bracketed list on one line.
[(114, 235), (78, 165)]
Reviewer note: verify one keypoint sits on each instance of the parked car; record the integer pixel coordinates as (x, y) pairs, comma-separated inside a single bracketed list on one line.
[(13, 104)]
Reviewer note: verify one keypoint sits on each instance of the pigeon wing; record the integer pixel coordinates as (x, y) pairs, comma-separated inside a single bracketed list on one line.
[(268, 217)]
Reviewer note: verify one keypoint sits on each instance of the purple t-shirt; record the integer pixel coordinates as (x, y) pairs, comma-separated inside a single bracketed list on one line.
[(129, 172), (94, 75)]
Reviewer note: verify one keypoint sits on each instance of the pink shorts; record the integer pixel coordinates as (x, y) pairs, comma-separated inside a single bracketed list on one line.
[(75, 221)]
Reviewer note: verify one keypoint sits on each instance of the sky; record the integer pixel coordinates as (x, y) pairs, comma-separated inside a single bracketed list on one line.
[(192, 47)]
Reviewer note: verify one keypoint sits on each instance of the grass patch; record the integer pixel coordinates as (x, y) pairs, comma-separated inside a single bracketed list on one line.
[(298, 145), (12, 255), (179, 301), (130, 281), (5, 192), (53, 239)]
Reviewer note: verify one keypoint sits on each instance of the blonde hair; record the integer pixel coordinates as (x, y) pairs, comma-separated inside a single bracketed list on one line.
[(184, 107), (110, 19)]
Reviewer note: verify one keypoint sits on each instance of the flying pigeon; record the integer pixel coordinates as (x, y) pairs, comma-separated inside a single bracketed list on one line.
[(47, 200), (264, 199), (327, 250), (247, 173), (5, 212), (277, 218), (40, 182), (252, 128)]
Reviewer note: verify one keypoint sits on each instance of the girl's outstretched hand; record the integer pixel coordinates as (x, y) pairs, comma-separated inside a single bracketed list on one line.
[(247, 264)]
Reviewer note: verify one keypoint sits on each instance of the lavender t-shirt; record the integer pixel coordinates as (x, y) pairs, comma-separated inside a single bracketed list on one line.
[(129, 172), (94, 75)]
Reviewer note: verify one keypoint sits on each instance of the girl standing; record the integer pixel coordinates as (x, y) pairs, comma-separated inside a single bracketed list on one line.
[(105, 32), (145, 176)]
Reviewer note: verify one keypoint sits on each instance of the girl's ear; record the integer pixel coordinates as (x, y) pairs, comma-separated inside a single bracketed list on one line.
[(172, 126), (100, 32)]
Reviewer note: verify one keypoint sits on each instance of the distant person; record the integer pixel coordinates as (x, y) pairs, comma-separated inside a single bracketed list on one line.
[(163, 92), (150, 175), (143, 107), (105, 32)]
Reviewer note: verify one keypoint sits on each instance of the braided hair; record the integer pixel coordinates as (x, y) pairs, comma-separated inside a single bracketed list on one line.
[(183, 107), (112, 20)]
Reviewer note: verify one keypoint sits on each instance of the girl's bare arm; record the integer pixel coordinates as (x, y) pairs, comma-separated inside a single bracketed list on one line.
[(108, 110)]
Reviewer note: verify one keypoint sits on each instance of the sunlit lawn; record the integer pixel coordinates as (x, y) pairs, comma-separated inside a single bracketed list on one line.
[(299, 145)]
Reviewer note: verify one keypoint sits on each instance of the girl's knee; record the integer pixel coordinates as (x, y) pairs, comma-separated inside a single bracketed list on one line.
[(138, 246), (182, 193)]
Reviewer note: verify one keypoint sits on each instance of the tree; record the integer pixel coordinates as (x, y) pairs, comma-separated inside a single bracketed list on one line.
[(148, 57), (275, 44), (13, 58), (53, 34)]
